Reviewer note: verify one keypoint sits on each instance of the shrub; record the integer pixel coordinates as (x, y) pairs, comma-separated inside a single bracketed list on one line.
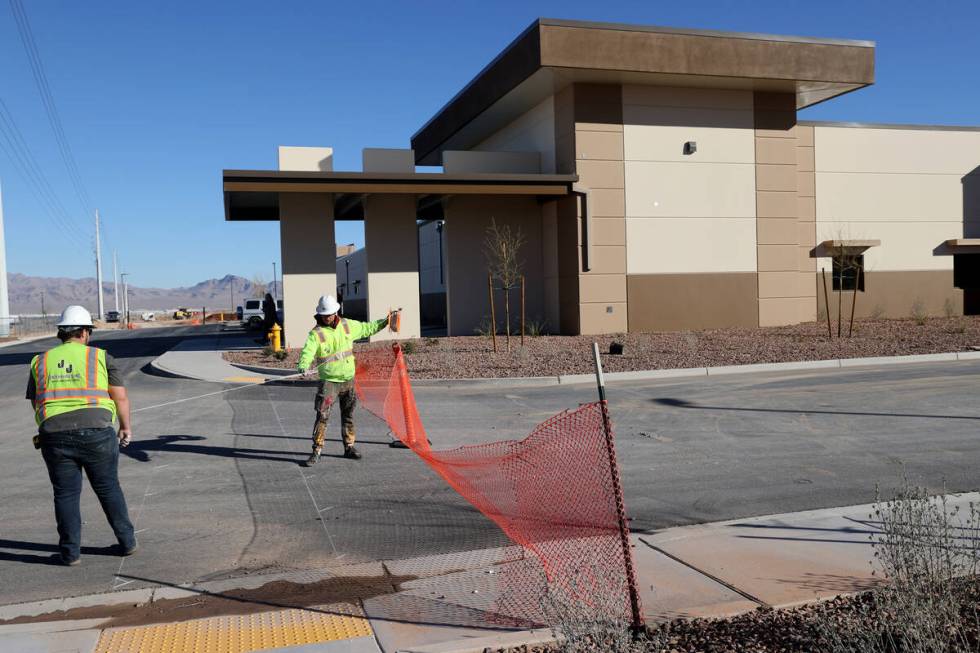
[(949, 309), (926, 552), (535, 328), (432, 342), (485, 328), (877, 312), (267, 351), (918, 312), (408, 347), (281, 355)]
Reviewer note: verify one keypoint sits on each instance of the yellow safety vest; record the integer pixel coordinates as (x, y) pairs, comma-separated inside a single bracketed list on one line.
[(332, 349), (70, 377)]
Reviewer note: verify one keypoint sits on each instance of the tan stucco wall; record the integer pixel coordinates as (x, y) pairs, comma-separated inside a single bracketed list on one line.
[(306, 235), (895, 294), (467, 219), (391, 241), (532, 131)]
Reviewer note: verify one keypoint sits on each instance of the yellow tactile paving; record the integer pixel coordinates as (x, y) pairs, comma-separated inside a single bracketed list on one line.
[(235, 634)]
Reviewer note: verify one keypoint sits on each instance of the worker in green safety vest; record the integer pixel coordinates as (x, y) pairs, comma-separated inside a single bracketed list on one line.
[(330, 346), (77, 395)]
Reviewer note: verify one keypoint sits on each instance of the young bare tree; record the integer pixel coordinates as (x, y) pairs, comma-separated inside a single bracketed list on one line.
[(848, 262), (502, 247)]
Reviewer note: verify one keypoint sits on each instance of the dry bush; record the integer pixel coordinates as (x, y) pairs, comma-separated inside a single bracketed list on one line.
[(877, 312), (949, 309), (918, 312), (927, 553)]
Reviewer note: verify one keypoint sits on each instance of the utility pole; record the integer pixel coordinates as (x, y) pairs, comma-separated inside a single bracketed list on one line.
[(98, 264), (275, 285), (123, 276), (115, 280), (4, 301), (43, 312)]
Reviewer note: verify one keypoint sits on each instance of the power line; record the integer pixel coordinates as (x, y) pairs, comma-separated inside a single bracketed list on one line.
[(19, 153), (50, 108)]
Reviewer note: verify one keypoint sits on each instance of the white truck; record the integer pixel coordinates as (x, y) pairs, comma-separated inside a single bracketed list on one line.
[(251, 315)]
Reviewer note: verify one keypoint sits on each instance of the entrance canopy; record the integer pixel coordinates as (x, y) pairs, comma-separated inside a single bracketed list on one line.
[(254, 194)]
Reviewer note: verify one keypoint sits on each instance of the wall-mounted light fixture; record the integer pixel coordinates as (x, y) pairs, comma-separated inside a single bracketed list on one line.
[(690, 147)]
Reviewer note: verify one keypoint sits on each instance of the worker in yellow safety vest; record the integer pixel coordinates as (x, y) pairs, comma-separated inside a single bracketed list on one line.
[(77, 394), (330, 346)]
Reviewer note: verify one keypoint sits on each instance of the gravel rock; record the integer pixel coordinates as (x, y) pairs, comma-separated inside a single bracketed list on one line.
[(464, 357)]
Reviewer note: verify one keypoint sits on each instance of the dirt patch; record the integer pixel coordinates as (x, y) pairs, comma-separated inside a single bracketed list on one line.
[(276, 595), (472, 356)]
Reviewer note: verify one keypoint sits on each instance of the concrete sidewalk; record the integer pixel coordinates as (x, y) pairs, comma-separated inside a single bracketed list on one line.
[(710, 570), (200, 359)]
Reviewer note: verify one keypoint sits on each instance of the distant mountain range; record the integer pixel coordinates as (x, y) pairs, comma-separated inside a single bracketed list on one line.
[(26, 292)]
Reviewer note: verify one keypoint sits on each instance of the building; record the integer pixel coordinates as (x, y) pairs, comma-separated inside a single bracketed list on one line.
[(661, 180)]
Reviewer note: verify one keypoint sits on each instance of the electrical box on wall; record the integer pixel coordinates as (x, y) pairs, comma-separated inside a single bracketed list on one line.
[(690, 147)]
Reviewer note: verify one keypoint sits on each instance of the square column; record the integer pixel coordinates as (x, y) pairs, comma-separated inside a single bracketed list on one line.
[(309, 259), (391, 241)]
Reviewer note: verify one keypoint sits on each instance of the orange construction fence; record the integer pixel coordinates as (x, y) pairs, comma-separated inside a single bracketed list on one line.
[(556, 493)]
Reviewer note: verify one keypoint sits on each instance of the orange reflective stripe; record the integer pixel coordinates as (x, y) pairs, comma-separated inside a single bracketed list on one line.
[(322, 336), (346, 326)]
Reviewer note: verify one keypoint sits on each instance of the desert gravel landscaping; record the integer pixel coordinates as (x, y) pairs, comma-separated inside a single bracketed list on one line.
[(464, 357)]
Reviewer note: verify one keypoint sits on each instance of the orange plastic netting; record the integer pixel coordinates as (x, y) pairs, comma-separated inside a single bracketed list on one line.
[(556, 493)]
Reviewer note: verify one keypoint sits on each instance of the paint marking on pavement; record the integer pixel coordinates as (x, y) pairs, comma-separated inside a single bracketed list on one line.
[(237, 633), (243, 379)]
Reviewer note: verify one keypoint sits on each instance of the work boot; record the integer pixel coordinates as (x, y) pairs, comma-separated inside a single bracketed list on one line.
[(351, 452), (313, 459)]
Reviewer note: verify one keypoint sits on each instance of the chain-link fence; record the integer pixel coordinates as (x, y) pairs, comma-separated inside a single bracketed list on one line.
[(25, 326)]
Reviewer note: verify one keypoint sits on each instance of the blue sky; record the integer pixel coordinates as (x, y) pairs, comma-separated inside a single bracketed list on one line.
[(157, 98)]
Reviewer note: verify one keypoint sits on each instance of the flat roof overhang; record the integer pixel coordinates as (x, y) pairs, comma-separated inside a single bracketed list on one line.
[(550, 54), (254, 194)]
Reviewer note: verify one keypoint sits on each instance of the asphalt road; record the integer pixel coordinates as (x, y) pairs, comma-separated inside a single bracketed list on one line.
[(215, 487)]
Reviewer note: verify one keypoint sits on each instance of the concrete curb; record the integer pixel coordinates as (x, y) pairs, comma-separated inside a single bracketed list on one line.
[(492, 642), (637, 375), (697, 372), (22, 341)]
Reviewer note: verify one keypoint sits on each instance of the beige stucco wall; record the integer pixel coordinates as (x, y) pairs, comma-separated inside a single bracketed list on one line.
[(306, 236), (907, 188), (532, 131), (904, 187), (685, 212), (391, 241), (690, 218)]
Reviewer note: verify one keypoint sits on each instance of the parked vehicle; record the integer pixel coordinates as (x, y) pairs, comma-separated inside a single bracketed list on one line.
[(112, 316), (182, 313), (251, 314), (148, 316)]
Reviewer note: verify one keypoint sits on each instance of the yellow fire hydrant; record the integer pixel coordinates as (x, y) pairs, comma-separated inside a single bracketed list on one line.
[(275, 337)]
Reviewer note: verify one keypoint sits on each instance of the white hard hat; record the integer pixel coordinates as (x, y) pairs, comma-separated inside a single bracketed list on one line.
[(75, 316), (327, 305)]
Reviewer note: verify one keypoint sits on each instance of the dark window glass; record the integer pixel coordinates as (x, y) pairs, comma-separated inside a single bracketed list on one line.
[(849, 271)]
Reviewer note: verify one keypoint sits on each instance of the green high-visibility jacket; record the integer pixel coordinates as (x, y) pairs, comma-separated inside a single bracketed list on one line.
[(332, 349), (70, 377)]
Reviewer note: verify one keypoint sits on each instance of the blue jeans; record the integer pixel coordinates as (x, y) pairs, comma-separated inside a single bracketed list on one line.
[(97, 452)]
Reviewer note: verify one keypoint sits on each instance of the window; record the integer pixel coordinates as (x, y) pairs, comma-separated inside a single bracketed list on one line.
[(848, 271), (252, 304)]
